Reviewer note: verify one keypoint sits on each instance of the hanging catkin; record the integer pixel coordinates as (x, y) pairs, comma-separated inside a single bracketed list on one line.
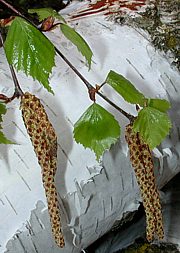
[(141, 160), (44, 140)]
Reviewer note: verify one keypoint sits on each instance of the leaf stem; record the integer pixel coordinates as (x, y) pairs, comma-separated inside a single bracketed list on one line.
[(100, 86), (88, 85)]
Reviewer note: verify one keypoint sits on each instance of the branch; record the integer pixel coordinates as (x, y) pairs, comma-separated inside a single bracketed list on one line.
[(127, 115), (18, 13), (18, 91), (88, 85), (91, 88), (11, 7)]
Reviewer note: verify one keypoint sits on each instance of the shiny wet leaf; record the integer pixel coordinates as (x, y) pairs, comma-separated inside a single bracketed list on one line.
[(153, 126), (97, 129), (159, 104), (30, 51), (78, 41), (125, 88)]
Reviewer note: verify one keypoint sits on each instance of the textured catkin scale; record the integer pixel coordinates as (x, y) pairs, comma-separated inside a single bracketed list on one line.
[(44, 140), (141, 160)]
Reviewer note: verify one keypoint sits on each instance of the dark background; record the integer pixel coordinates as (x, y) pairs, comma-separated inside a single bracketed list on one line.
[(24, 5)]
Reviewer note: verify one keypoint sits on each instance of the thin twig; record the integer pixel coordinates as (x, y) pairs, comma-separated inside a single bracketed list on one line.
[(4, 97), (88, 85), (127, 115), (12, 8), (18, 91), (18, 13)]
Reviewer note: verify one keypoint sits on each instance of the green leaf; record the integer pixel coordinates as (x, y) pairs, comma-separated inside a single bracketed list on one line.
[(125, 88), (96, 129), (3, 139), (45, 13), (78, 41), (153, 126), (30, 51), (159, 104), (2, 111)]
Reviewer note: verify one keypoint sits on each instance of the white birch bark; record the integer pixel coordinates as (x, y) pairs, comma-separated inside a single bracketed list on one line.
[(92, 196)]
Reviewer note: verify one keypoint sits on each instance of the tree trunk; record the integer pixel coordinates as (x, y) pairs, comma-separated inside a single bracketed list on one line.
[(92, 195)]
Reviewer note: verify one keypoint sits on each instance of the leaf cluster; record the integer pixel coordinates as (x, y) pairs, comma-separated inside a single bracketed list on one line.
[(27, 49), (152, 121)]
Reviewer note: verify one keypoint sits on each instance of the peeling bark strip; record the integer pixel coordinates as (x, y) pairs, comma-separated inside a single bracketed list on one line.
[(108, 7), (141, 160), (44, 140)]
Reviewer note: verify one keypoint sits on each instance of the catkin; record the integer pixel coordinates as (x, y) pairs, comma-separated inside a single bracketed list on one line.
[(44, 140), (141, 160)]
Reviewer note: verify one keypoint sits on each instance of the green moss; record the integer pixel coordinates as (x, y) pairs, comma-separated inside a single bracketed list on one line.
[(142, 246), (164, 36), (171, 42)]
